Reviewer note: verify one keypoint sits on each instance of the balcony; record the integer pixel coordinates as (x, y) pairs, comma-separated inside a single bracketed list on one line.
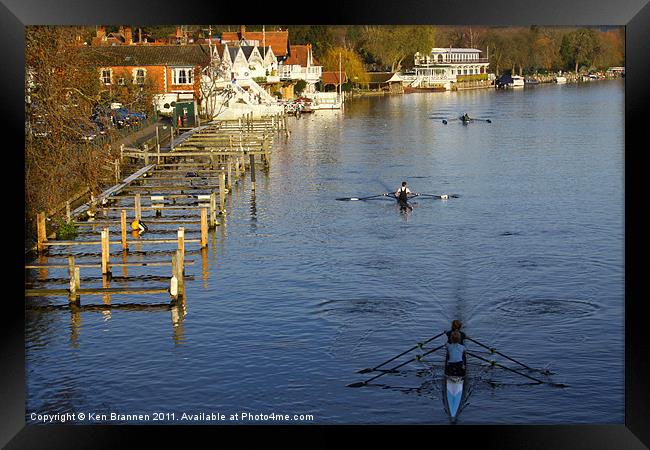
[(424, 63)]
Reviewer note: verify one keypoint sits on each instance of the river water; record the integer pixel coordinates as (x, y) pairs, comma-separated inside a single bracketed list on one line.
[(301, 291)]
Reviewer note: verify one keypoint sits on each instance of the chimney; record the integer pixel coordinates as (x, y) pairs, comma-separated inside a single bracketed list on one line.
[(179, 32), (101, 31), (128, 36), (242, 30)]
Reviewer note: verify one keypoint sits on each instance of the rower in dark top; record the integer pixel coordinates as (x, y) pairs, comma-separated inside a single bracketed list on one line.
[(465, 118), (402, 194), (456, 326)]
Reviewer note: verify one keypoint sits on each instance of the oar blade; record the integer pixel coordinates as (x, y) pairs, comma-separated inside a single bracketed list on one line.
[(366, 370), (357, 385)]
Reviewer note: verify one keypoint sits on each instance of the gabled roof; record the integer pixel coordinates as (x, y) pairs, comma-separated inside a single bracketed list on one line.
[(333, 77), (248, 51), (299, 55), (233, 53), (277, 40), (219, 49), (148, 55)]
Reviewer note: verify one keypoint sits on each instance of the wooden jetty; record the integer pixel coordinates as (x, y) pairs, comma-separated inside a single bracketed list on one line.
[(195, 174)]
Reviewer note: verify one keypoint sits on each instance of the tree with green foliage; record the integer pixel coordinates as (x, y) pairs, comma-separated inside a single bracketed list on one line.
[(351, 64), (299, 87), (579, 47), (391, 45)]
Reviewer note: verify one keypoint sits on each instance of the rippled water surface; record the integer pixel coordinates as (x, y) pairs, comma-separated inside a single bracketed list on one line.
[(298, 291)]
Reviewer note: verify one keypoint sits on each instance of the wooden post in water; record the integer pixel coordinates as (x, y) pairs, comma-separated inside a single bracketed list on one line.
[(180, 273), (173, 282), (229, 179), (171, 138), (222, 193), (106, 252), (41, 232), (181, 246), (75, 283), (204, 227), (158, 144), (125, 245), (145, 149), (252, 159), (138, 207), (213, 210)]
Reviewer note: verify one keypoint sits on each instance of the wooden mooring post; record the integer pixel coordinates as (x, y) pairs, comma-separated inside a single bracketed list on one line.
[(177, 282), (138, 207), (41, 232), (213, 210), (125, 245), (252, 160), (181, 246), (204, 227), (222, 193), (75, 282), (106, 252)]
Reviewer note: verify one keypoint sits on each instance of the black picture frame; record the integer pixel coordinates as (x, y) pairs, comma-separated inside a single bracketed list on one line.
[(633, 14)]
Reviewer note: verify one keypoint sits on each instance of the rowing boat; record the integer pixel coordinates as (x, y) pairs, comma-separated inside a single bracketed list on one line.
[(454, 383)]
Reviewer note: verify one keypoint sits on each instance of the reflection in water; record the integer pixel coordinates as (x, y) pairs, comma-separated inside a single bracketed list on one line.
[(125, 268), (204, 267), (42, 260), (75, 325), (178, 313), (106, 298), (253, 209)]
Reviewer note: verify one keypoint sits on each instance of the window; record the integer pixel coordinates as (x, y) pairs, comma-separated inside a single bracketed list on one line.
[(121, 81), (183, 76), (139, 75), (105, 76)]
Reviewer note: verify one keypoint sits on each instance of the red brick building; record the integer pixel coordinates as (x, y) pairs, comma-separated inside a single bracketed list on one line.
[(173, 71)]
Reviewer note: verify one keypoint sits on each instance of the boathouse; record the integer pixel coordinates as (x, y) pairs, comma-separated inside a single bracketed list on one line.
[(385, 81)]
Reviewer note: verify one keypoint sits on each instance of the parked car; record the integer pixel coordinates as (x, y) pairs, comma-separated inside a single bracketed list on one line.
[(122, 117), (87, 133)]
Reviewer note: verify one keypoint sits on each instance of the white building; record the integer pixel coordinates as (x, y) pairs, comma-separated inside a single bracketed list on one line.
[(301, 65), (444, 66)]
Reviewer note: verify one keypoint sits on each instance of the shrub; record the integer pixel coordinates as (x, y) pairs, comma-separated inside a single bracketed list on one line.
[(66, 230)]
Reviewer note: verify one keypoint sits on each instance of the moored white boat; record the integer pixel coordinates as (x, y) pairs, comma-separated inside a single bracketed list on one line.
[(560, 80), (517, 81), (325, 100)]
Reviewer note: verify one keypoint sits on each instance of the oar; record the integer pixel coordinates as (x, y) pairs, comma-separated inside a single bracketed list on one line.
[(361, 198), (444, 196), (418, 345), (494, 350), (482, 120), (494, 363), (418, 357)]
